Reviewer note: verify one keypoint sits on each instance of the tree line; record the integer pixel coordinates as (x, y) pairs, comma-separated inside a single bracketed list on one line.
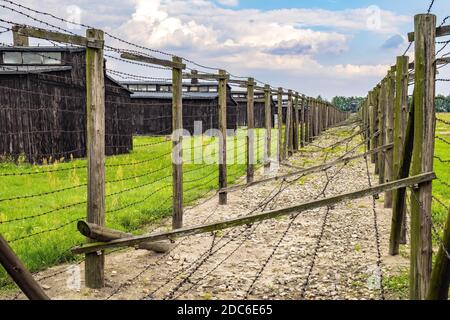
[(352, 104)]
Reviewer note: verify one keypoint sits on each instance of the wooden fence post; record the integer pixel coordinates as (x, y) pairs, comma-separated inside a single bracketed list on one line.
[(296, 123), (250, 129), (95, 101), (268, 113), (376, 117), (287, 132), (302, 122), (223, 139), (381, 129), (423, 152), (17, 271), (177, 146), (281, 155), (400, 120), (389, 161), (18, 39)]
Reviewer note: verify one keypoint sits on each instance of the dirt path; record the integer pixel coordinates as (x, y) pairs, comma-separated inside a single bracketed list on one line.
[(328, 253)]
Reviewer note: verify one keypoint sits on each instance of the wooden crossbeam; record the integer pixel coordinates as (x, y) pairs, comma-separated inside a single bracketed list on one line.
[(308, 170), (440, 32), (241, 83), (206, 76), (250, 219), (152, 60), (58, 37)]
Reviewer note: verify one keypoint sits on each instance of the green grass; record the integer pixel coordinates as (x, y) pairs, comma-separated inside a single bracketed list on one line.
[(142, 197)]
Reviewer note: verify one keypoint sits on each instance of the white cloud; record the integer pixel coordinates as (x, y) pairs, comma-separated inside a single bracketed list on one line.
[(229, 3)]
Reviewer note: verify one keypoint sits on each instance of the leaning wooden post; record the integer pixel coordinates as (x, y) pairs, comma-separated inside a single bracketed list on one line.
[(268, 122), (287, 135), (223, 177), (281, 155), (389, 161), (423, 152), (400, 120), (95, 102), (17, 271), (250, 129)]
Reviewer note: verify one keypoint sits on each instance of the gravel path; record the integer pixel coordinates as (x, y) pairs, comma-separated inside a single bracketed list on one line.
[(328, 253)]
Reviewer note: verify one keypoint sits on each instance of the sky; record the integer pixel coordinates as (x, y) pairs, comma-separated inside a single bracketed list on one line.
[(320, 47)]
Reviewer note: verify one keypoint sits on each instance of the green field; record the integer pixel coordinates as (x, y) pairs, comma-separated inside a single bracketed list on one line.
[(138, 189)]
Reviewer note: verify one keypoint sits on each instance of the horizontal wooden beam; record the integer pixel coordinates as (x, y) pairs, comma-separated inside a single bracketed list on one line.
[(440, 32), (250, 219), (205, 76), (306, 170), (152, 60), (241, 82), (58, 37)]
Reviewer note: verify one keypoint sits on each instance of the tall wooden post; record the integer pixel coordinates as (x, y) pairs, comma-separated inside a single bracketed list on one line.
[(376, 124), (423, 152), (223, 139), (95, 101), (302, 121), (400, 120), (287, 132), (268, 122), (250, 131), (177, 145), (381, 128), (281, 155), (296, 123), (389, 162)]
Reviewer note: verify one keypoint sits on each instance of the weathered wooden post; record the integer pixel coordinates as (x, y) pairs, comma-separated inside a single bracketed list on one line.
[(400, 120), (223, 139), (177, 145), (281, 155), (376, 123), (389, 162), (296, 123), (287, 132), (95, 102), (423, 152), (250, 129), (268, 123), (17, 271), (381, 129), (302, 121)]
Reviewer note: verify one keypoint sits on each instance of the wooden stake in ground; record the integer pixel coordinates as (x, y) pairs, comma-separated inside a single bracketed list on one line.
[(401, 167), (268, 123), (296, 123), (281, 154), (287, 132), (302, 121), (424, 133), (389, 161), (177, 145), (17, 271), (223, 138), (95, 101), (250, 129)]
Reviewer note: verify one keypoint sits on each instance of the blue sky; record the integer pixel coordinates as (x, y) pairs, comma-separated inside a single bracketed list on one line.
[(327, 47)]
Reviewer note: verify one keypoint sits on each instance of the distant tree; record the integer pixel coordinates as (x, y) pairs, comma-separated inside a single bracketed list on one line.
[(350, 104)]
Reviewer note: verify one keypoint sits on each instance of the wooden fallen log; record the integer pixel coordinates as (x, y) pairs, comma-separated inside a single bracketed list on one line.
[(250, 219), (103, 234)]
